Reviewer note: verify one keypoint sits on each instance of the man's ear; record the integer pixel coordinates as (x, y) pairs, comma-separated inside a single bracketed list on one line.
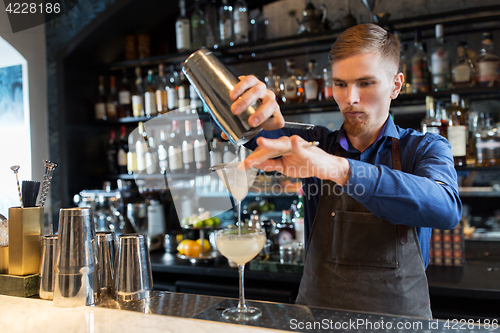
[(399, 80)]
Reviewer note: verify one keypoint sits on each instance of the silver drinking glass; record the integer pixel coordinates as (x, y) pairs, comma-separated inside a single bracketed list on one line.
[(75, 280), (105, 242), (47, 266), (133, 279)]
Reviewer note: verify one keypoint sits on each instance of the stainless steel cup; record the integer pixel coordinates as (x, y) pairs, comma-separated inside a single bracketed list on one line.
[(47, 266), (213, 82), (105, 242), (75, 280), (133, 278)]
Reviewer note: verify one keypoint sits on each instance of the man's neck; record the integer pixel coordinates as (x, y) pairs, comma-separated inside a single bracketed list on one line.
[(362, 142)]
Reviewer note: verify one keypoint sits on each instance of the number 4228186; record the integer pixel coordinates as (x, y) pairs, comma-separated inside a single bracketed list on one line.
[(33, 8)]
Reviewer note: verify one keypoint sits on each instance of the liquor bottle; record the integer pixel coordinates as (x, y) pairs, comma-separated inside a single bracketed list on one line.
[(313, 83), (298, 219), (440, 59), (163, 152), (151, 155), (188, 149), (430, 123), (442, 117), (182, 29), (137, 102), (228, 154), (472, 129), (215, 152), (212, 34), (161, 91), (112, 100), (195, 101), (487, 144), (131, 156), (124, 97), (172, 93), (183, 93), (272, 80), (111, 152), (197, 26), (464, 71), (286, 230), (200, 148), (122, 151), (175, 149), (100, 105), (487, 62), (226, 23), (240, 22), (259, 26), (419, 69), (141, 147), (150, 97), (457, 131), (328, 84), (291, 84)]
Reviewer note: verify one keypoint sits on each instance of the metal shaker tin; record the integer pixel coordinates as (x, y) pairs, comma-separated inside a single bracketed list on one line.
[(213, 82)]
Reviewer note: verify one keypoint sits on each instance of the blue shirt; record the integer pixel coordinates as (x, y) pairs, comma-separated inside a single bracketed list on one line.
[(424, 196)]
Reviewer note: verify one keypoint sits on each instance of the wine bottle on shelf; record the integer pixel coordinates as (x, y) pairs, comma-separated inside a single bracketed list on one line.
[(163, 152), (272, 80), (122, 151), (172, 93), (440, 59), (430, 123), (487, 62), (464, 70), (137, 97), (195, 101), (161, 91), (183, 93), (328, 86), (188, 149), (182, 29), (442, 116), (457, 131), (405, 68), (291, 84), (111, 152), (240, 22), (175, 149), (419, 67), (200, 148), (124, 97), (151, 156), (131, 156), (487, 143), (112, 100), (141, 147), (226, 23), (197, 26), (150, 97), (212, 34), (313, 83), (100, 105), (259, 26)]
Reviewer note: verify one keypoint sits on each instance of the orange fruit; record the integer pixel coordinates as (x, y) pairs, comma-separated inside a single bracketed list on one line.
[(192, 248)]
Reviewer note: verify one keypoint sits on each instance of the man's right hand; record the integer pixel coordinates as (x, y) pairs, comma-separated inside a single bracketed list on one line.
[(246, 93)]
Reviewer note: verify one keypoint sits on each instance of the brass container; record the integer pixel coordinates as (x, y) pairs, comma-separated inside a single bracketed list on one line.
[(25, 228)]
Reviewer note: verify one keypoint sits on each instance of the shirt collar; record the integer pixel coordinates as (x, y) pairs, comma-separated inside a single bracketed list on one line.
[(388, 130)]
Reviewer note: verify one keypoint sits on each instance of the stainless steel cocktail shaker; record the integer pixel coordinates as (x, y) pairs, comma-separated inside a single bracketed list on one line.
[(213, 82)]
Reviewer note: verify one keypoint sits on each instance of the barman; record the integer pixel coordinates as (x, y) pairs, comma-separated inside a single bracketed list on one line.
[(373, 191)]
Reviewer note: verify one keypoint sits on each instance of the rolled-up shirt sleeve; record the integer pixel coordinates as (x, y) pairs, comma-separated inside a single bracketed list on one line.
[(425, 196)]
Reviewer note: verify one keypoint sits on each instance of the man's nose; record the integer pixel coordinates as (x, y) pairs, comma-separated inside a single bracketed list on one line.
[(352, 95)]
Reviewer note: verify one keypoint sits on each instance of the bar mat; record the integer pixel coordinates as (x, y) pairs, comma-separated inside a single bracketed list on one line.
[(21, 286)]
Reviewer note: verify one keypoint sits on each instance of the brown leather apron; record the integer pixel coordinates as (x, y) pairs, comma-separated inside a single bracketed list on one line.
[(358, 261)]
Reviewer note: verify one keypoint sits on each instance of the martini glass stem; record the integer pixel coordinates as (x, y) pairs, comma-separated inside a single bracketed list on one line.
[(242, 306), (239, 216)]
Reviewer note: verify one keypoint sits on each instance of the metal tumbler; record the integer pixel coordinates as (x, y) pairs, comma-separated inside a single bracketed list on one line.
[(133, 278), (75, 260), (213, 82), (105, 241), (47, 266)]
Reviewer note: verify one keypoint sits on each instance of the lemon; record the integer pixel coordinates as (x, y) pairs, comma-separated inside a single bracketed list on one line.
[(180, 247), (192, 249), (206, 244)]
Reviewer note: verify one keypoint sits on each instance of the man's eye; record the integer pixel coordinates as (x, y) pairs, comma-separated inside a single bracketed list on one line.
[(366, 84), (339, 84)]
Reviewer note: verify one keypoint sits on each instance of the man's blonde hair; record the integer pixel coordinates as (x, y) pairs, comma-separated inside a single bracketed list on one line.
[(364, 38)]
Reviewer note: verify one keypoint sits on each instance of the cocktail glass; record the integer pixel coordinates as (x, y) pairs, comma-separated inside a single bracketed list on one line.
[(240, 245)]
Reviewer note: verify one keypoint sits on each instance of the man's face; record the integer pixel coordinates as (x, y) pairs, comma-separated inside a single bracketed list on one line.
[(363, 86)]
